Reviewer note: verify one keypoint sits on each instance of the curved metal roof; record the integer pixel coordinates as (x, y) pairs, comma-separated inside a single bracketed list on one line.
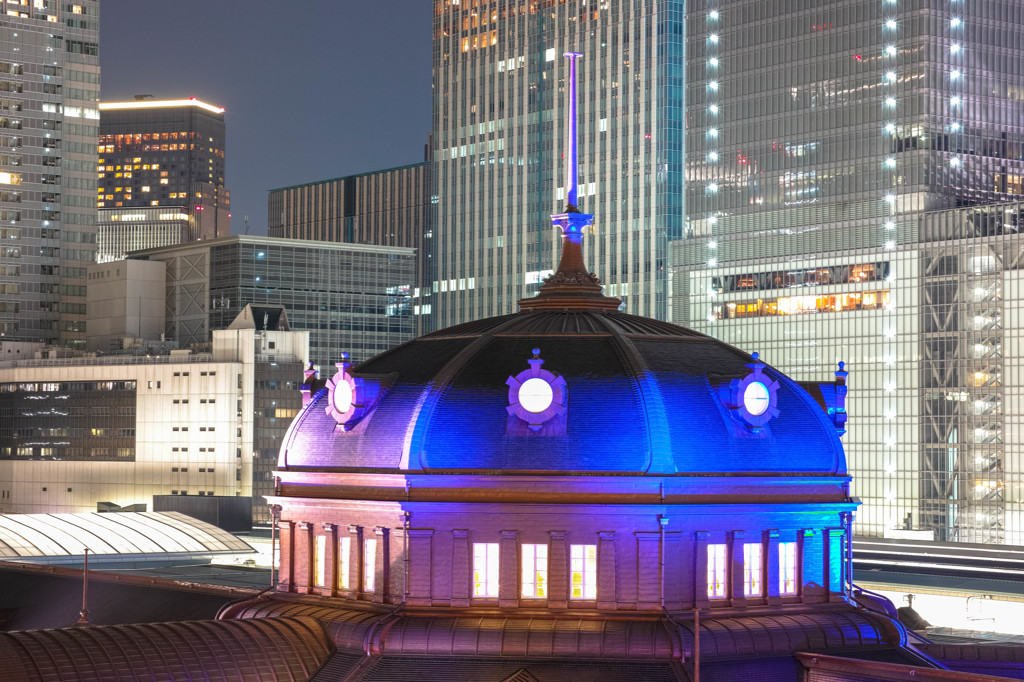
[(41, 537), (266, 649)]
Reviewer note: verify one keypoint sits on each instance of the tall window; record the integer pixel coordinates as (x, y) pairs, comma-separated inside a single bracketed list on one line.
[(485, 569), (320, 554), (369, 564), (716, 571), (752, 569), (344, 561), (787, 568), (535, 571), (583, 571)]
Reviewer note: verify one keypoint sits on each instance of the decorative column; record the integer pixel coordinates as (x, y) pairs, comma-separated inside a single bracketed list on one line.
[(420, 565), (286, 577), (332, 560), (382, 564), (461, 568), (508, 569), (834, 564), (356, 561), (678, 573), (700, 570), (735, 559), (649, 578), (812, 565), (558, 571), (304, 545), (606, 595), (771, 574)]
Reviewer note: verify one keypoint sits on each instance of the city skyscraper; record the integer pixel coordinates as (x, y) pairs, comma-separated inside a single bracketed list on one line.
[(498, 132), (389, 207), (350, 297), (161, 172), (49, 92), (832, 151)]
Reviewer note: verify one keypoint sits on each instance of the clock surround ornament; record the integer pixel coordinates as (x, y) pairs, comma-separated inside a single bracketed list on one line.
[(753, 399), (535, 395), (350, 398)]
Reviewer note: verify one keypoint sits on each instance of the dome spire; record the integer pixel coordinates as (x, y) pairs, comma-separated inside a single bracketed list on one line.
[(572, 286)]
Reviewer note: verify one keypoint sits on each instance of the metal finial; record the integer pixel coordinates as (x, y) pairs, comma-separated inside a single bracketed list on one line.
[(571, 155), (83, 615)]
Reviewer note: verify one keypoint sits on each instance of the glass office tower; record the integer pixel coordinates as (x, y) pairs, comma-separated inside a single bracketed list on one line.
[(499, 124), (825, 143), (49, 92), (161, 175)]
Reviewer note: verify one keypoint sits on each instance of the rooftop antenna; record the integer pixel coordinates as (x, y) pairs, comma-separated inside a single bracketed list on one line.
[(83, 615), (246, 224), (571, 158), (572, 286)]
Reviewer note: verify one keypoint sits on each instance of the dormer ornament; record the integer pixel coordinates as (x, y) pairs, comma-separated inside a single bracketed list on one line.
[(753, 399)]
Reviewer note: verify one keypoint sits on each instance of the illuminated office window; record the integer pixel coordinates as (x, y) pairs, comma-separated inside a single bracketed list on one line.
[(787, 568), (535, 571), (485, 569), (752, 569), (716, 571), (583, 571), (369, 564), (344, 559), (320, 558)]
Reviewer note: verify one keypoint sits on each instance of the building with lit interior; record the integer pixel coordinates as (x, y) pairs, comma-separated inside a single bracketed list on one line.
[(845, 164), (49, 94), (566, 490), (384, 208), (161, 174), (350, 296), (102, 431), (498, 133)]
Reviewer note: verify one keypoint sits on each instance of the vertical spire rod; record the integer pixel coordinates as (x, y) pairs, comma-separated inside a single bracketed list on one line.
[(571, 158)]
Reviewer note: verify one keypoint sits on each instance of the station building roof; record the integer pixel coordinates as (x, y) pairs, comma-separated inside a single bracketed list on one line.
[(63, 538)]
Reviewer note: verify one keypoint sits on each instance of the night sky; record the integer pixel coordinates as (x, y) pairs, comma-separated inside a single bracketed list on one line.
[(313, 89)]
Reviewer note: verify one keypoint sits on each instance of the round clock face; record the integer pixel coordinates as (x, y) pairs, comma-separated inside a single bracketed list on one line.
[(535, 395), (756, 398), (342, 396)]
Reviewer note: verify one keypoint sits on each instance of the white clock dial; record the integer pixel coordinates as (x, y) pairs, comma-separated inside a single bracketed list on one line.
[(756, 398), (342, 397), (535, 395)]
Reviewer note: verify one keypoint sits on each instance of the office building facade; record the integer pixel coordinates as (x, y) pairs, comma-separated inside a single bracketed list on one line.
[(350, 297), (83, 431), (832, 150), (499, 128), (384, 208), (161, 172), (49, 94)]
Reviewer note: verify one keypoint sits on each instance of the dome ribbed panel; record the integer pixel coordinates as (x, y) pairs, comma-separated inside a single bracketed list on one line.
[(471, 428)]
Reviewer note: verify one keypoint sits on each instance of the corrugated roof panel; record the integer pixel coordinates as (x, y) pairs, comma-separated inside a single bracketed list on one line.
[(69, 535)]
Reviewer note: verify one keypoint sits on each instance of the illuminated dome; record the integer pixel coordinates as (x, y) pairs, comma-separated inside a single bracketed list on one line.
[(568, 486), (639, 396)]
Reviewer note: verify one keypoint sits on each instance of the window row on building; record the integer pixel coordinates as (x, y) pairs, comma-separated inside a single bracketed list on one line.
[(359, 562)]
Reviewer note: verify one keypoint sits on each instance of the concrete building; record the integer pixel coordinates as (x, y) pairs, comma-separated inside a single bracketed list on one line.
[(49, 96), (383, 208), (498, 133), (349, 297), (824, 144), (161, 170), (80, 431), (125, 300)]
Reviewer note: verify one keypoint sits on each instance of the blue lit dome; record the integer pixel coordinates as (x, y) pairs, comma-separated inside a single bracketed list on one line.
[(640, 397)]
